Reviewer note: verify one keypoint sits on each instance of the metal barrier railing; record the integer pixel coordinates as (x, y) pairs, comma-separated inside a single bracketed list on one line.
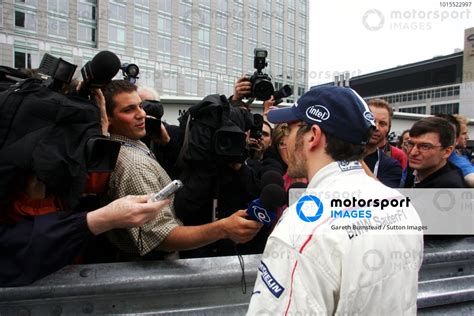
[(212, 286)]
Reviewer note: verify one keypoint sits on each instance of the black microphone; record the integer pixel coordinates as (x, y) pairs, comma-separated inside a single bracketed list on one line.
[(263, 209), (271, 176), (100, 70)]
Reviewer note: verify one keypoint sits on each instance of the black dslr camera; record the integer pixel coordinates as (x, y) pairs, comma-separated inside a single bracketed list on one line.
[(262, 87), (153, 108)]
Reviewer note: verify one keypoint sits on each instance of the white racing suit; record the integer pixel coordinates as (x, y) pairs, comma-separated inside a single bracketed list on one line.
[(312, 267)]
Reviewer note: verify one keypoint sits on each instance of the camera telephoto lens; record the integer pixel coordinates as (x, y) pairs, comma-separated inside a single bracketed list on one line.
[(262, 89)]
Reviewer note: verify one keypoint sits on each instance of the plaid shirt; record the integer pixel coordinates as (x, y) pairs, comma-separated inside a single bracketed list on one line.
[(137, 173)]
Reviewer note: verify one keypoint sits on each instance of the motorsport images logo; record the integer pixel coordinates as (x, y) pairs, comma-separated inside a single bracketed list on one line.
[(310, 208)]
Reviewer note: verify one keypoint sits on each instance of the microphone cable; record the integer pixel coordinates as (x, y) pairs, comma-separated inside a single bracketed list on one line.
[(243, 282)]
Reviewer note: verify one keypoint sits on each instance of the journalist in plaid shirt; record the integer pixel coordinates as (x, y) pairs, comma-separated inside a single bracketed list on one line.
[(137, 172)]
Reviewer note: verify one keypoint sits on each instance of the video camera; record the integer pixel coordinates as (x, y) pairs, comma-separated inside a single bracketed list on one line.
[(216, 131), (61, 131), (262, 87)]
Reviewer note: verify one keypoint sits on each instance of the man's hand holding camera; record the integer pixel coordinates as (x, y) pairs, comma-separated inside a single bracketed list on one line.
[(256, 148), (242, 88)]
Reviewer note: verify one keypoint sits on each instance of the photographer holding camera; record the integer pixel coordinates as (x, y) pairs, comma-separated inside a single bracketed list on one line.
[(223, 159), (51, 152)]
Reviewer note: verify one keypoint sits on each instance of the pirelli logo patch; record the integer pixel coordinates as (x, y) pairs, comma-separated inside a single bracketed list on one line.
[(273, 286)]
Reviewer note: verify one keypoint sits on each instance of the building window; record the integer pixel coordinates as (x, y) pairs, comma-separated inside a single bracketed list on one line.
[(203, 35), (191, 86), (210, 86), (279, 25), (85, 33), (86, 11), (415, 110), (221, 57), (185, 10), (168, 82), (449, 108), (117, 12), (252, 31), (266, 41), (25, 20), (266, 21), (142, 3), (291, 30), (204, 17), (291, 16), (238, 46), (164, 24), (31, 3), (58, 6), (221, 6), (24, 59), (57, 27), (203, 53), (117, 34), (221, 40), (237, 27), (300, 91), (147, 77), (237, 61), (185, 29), (279, 41), (165, 6), (185, 49), (140, 40), (141, 18), (164, 44)]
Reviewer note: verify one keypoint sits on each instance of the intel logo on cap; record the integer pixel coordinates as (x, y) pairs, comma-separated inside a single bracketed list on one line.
[(317, 113), (369, 116)]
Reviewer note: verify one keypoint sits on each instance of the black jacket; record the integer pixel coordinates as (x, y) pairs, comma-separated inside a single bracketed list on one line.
[(43, 133), (449, 176)]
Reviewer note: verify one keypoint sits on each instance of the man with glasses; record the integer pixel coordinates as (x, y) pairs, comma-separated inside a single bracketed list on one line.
[(431, 143)]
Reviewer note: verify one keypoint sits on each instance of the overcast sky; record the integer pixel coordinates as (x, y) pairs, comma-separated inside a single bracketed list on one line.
[(365, 36)]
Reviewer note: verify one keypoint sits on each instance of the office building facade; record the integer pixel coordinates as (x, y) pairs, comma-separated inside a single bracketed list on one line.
[(183, 47)]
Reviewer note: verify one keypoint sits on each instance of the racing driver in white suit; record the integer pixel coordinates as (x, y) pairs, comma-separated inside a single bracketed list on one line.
[(345, 260)]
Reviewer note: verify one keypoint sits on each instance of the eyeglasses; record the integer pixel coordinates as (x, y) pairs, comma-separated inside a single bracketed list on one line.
[(423, 147)]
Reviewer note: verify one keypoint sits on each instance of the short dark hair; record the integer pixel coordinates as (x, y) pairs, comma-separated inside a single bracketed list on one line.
[(454, 121), (437, 125), (337, 148), (112, 89), (269, 126)]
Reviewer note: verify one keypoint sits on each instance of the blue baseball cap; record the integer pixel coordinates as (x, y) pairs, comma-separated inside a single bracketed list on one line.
[(339, 111)]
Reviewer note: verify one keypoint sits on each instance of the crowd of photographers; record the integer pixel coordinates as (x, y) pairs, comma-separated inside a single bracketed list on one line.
[(80, 160)]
